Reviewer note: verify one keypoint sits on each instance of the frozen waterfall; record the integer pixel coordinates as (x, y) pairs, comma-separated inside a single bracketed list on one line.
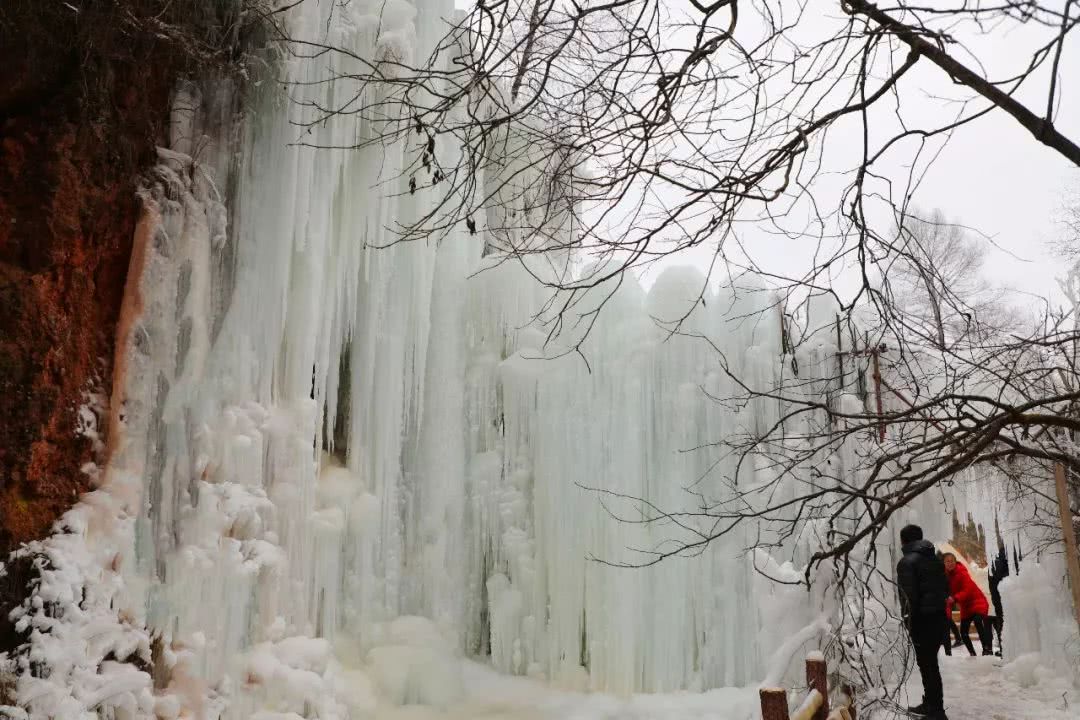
[(458, 448), (340, 462)]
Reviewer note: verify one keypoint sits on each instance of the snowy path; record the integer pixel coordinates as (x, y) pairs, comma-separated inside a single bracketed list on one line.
[(491, 696), (984, 688), (975, 689)]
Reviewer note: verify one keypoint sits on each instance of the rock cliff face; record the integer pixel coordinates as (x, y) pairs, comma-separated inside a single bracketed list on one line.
[(84, 100), (81, 108)]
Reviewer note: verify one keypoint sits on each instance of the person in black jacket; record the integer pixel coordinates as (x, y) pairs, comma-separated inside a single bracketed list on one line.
[(923, 591), (999, 570)]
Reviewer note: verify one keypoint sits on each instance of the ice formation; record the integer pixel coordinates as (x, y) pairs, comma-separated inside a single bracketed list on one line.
[(338, 468), (316, 439)]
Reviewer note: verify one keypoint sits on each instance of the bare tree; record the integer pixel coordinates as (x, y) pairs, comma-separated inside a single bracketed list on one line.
[(625, 132), (688, 119), (1067, 246), (938, 285)]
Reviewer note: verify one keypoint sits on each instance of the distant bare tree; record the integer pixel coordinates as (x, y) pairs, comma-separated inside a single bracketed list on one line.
[(938, 284), (1067, 245)]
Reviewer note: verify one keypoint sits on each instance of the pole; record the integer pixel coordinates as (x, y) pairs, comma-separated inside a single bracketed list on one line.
[(1072, 557), (840, 353), (877, 395), (774, 704)]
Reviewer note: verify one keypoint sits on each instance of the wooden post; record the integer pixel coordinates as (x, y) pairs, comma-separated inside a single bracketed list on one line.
[(877, 395), (774, 704), (1072, 557), (159, 668), (785, 341), (839, 362), (817, 677)]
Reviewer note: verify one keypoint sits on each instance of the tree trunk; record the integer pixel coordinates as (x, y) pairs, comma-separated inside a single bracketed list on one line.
[(1072, 557)]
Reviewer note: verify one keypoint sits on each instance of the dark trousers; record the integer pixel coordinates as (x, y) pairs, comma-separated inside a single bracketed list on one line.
[(951, 631), (983, 627), (998, 622), (927, 634)]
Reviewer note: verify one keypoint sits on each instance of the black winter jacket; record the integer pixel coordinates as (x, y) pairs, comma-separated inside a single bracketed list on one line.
[(921, 577), (999, 570)]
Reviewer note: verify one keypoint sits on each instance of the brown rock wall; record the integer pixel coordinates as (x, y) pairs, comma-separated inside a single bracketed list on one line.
[(79, 118)]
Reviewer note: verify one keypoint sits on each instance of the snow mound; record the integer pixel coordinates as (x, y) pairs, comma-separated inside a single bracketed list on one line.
[(413, 665)]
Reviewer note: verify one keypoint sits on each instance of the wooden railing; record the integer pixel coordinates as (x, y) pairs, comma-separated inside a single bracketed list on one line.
[(815, 706)]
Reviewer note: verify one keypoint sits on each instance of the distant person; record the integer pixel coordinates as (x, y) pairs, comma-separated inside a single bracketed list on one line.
[(999, 570), (972, 603), (923, 589)]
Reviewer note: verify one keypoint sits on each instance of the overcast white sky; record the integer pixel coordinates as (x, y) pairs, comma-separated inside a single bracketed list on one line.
[(998, 178)]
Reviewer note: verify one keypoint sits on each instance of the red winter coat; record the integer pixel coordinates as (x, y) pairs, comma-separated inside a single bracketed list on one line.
[(966, 593)]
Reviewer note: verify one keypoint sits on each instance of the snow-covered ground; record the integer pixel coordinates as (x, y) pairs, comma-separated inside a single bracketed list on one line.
[(420, 683), (491, 696), (980, 688), (986, 688)]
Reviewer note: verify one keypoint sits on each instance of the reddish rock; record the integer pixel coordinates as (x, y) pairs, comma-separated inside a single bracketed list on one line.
[(83, 102)]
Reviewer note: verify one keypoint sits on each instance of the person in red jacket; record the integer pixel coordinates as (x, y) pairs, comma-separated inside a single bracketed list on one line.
[(953, 631), (965, 594)]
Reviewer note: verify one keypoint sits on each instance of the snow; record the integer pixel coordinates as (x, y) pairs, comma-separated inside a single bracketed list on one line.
[(782, 659), (80, 627), (492, 696), (1038, 616), (985, 688), (809, 704)]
